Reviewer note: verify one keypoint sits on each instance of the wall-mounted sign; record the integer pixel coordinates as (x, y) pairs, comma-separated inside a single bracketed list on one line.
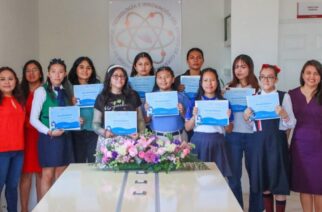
[(309, 10)]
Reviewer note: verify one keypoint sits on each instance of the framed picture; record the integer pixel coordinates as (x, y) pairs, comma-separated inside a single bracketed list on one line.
[(227, 30)]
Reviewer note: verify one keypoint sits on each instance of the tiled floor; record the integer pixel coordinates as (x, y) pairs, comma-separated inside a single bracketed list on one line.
[(292, 205)]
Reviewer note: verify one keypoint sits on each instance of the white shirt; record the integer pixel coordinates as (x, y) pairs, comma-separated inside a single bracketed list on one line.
[(37, 103), (287, 105)]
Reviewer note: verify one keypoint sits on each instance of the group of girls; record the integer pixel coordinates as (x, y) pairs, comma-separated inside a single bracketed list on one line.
[(28, 145)]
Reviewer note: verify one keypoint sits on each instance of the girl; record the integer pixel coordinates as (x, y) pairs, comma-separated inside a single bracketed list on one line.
[(142, 65), (84, 141), (241, 140), (54, 147), (272, 162), (306, 145), (32, 78), (195, 60), (209, 140), (173, 125), (115, 96), (11, 135)]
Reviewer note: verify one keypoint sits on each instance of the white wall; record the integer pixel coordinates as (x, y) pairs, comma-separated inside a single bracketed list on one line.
[(69, 29), (255, 30), (19, 32)]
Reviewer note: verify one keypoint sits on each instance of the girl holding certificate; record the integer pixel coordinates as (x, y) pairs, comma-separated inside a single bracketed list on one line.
[(195, 61), (142, 65), (84, 141), (32, 78), (11, 135), (240, 141), (272, 161), (306, 144), (116, 96), (162, 125), (209, 140), (54, 146)]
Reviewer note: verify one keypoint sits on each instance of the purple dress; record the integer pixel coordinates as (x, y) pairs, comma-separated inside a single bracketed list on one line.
[(306, 146)]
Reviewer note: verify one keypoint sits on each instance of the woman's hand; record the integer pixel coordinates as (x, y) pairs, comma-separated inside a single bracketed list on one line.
[(181, 87), (247, 114), (74, 100), (181, 109), (55, 133), (281, 112), (108, 134), (134, 136), (81, 120)]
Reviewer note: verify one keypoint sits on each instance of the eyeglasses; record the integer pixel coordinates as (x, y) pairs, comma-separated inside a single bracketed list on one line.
[(32, 70), (270, 78), (116, 77)]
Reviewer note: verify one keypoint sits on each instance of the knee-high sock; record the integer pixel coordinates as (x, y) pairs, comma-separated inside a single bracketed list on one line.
[(268, 202), (280, 205)]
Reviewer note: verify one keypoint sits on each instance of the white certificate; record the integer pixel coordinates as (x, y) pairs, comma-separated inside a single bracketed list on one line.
[(86, 94), (65, 118), (212, 112), (142, 85), (121, 122), (237, 98), (191, 84), (162, 103), (263, 106)]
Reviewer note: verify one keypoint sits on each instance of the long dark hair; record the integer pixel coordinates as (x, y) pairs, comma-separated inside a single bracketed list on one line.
[(16, 93), (106, 92), (251, 78), (139, 56), (24, 82), (163, 68), (72, 75), (201, 92), (318, 66)]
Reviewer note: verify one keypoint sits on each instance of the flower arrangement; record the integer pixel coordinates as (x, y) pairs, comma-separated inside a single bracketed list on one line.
[(148, 152)]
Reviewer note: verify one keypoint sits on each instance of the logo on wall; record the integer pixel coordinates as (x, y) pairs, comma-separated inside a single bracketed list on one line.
[(137, 26)]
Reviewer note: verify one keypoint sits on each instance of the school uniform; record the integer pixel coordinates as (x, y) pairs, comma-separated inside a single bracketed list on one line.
[(209, 142), (239, 143), (271, 170), (54, 151), (172, 125)]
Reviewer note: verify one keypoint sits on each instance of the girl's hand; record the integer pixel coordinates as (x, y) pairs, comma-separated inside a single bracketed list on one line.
[(81, 120), (134, 136), (55, 133), (228, 113), (108, 134), (74, 100), (247, 114), (281, 112), (181, 109), (195, 111), (181, 87)]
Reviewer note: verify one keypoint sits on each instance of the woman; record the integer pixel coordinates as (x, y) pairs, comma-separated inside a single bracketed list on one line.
[(32, 78), (11, 135), (306, 146), (84, 141)]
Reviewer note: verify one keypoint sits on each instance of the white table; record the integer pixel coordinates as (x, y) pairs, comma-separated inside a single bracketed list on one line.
[(85, 188)]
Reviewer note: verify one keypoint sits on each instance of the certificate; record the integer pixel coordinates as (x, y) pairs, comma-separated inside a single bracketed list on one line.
[(65, 118), (162, 103), (191, 84), (212, 112), (86, 94), (142, 85), (263, 106), (121, 122), (237, 98)]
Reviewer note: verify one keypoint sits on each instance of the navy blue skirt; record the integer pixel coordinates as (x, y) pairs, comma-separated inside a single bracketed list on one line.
[(273, 164), (55, 151), (210, 147)]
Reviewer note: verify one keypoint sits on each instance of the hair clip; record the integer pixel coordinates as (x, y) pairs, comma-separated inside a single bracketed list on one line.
[(114, 66), (275, 67)]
